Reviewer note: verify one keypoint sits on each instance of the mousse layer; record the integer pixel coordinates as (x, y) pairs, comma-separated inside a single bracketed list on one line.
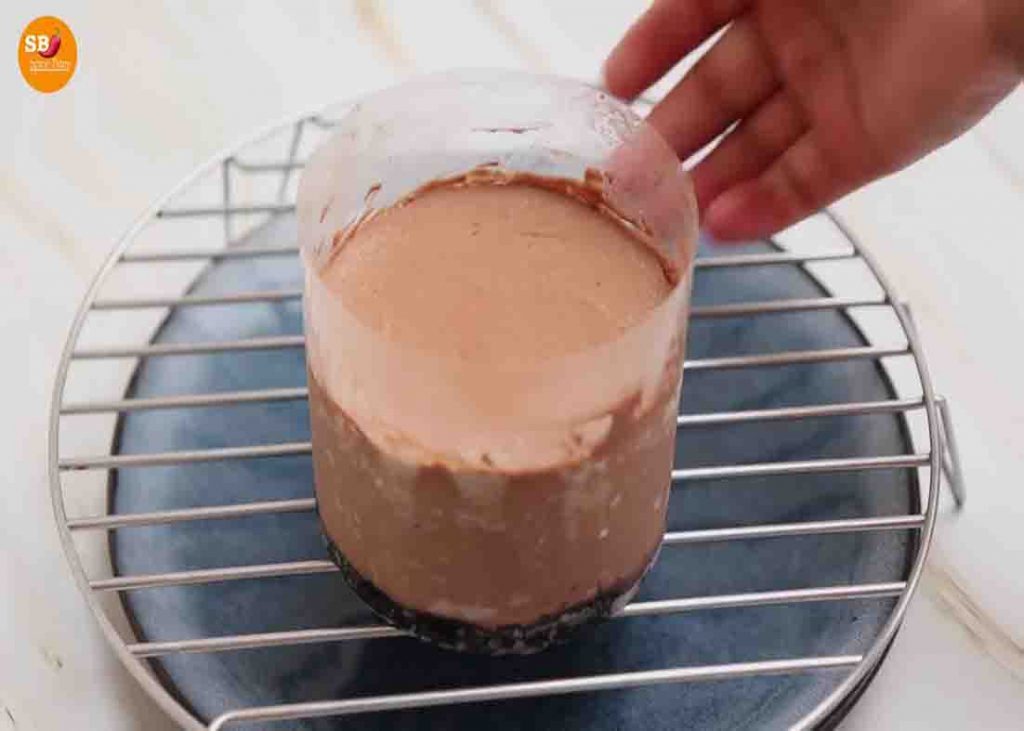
[(524, 326)]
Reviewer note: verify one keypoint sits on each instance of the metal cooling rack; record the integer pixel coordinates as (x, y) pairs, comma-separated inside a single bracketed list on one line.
[(248, 191)]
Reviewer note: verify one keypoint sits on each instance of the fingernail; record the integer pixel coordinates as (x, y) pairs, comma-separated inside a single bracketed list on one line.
[(720, 218), (704, 189), (745, 212), (608, 81), (603, 81)]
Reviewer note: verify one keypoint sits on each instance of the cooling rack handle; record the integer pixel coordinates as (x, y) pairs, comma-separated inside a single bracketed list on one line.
[(951, 466), (950, 452)]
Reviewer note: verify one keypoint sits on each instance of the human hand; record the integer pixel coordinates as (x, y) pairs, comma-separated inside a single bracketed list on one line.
[(828, 94)]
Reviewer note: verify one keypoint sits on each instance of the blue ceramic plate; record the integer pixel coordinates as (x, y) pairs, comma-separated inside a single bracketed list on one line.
[(212, 683)]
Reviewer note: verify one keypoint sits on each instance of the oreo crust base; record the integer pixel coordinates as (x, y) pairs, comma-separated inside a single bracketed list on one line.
[(514, 639)]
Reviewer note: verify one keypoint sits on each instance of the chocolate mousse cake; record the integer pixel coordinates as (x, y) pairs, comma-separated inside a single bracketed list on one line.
[(493, 431)]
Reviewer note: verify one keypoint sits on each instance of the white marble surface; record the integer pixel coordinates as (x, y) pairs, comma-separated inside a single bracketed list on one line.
[(162, 86)]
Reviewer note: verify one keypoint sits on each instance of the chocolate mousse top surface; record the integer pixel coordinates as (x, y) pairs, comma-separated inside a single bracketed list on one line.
[(515, 266)]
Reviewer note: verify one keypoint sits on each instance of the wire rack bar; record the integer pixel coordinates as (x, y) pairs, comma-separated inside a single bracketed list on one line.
[(277, 342), (269, 167), (163, 517), (560, 686), (280, 342), (796, 357), (200, 211), (289, 449), (788, 413), (166, 517), (744, 309), (740, 309), (207, 576), (763, 469), (231, 398), (788, 530), (771, 259), (677, 538), (257, 640), (763, 599), (202, 254), (713, 262), (286, 449), (191, 300), (636, 609), (323, 122)]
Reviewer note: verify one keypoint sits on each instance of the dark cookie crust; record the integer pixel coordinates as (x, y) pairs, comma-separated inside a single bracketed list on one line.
[(516, 639)]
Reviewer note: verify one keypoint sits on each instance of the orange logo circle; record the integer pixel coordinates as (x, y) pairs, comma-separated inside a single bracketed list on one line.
[(47, 54)]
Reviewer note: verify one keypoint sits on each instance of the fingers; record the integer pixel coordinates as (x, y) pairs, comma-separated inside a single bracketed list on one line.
[(646, 183), (795, 185), (669, 30), (750, 148), (730, 81)]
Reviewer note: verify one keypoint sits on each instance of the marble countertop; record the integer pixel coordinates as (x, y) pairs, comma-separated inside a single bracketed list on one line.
[(161, 87)]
